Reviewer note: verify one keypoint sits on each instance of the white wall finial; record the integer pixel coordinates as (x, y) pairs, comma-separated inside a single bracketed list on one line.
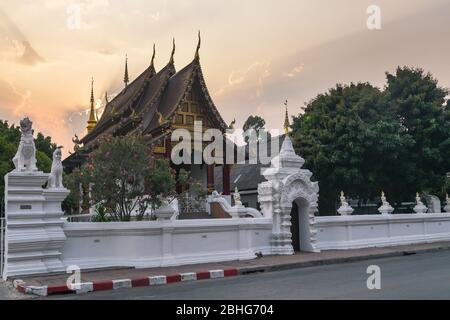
[(420, 207), (385, 208), (345, 209)]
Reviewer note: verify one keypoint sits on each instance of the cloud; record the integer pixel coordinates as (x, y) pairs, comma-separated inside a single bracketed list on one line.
[(252, 76), (29, 56), (294, 71), (16, 99), (16, 44)]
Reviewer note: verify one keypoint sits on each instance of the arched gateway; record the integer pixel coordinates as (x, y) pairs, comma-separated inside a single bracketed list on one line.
[(289, 186)]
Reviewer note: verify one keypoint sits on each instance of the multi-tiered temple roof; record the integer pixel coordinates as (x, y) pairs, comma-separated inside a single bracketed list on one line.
[(153, 103)]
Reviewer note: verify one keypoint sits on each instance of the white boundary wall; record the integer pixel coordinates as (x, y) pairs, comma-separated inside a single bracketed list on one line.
[(164, 243), (362, 231)]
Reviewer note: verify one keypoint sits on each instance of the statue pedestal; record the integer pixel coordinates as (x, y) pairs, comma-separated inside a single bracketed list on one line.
[(34, 226), (164, 213), (345, 210), (420, 208), (386, 209)]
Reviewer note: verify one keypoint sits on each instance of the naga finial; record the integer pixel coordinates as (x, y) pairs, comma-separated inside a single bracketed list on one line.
[(197, 52), (173, 52)]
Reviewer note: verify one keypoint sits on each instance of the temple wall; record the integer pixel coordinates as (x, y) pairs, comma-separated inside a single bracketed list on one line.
[(164, 243), (362, 231)]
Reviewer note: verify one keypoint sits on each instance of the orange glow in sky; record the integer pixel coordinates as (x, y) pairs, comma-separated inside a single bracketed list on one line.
[(255, 54)]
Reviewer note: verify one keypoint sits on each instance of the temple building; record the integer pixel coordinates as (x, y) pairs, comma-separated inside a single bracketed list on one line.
[(153, 105)]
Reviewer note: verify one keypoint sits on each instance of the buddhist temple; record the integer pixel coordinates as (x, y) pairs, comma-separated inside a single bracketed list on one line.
[(153, 105)]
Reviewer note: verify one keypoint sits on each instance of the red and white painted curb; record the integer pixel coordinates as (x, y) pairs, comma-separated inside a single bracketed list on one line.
[(122, 283)]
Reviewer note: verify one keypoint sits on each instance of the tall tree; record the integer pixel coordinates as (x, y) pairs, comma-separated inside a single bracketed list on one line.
[(362, 140), (123, 178), (45, 144), (255, 123), (419, 105)]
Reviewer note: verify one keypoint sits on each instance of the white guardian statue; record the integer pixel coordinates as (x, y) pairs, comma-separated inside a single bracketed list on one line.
[(420, 207), (56, 174), (345, 209), (385, 208), (25, 158)]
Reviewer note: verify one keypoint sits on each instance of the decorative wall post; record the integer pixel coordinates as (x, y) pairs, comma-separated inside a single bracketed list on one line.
[(34, 228), (345, 209), (420, 207), (385, 208)]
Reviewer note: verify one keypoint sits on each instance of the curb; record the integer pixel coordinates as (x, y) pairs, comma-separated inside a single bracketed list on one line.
[(313, 263), (104, 285)]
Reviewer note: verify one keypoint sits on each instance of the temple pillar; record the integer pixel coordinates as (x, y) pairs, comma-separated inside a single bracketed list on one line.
[(168, 145), (226, 179), (210, 178)]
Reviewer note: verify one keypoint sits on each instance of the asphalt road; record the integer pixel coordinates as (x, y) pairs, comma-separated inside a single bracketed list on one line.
[(421, 276)]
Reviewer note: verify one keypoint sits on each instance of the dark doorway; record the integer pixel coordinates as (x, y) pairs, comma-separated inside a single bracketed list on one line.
[(295, 229)]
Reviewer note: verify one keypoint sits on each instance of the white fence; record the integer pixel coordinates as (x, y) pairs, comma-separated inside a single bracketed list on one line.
[(361, 231), (164, 243)]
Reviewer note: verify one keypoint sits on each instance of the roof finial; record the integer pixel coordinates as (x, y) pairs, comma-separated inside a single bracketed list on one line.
[(92, 120), (173, 51), (126, 79), (153, 56), (286, 119), (197, 55), (92, 92)]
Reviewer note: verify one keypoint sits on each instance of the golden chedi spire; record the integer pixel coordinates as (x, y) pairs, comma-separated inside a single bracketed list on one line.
[(286, 119), (92, 121)]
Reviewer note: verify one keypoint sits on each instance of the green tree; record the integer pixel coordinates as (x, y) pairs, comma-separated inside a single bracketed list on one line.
[(419, 105), (45, 144), (255, 123), (123, 178), (363, 140), (159, 183), (332, 137)]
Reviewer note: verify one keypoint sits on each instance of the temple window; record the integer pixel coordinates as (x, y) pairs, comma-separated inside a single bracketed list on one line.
[(194, 108), (178, 119), (189, 120), (189, 112)]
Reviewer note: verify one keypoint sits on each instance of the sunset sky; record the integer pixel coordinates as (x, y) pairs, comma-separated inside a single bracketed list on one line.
[(255, 53)]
